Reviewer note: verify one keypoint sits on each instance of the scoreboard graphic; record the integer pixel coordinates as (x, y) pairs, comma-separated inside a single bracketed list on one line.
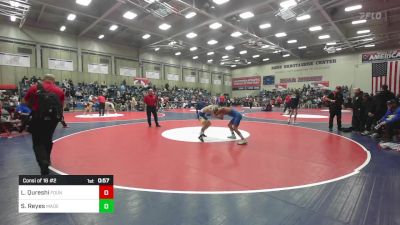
[(66, 194)]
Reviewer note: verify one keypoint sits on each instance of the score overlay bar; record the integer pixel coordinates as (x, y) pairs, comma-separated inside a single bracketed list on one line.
[(66, 194)]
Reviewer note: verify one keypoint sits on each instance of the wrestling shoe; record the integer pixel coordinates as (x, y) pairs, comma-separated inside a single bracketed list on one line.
[(232, 136), (242, 142), (201, 138)]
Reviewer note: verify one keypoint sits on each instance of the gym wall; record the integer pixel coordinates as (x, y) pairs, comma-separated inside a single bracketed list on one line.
[(348, 70), (42, 45)]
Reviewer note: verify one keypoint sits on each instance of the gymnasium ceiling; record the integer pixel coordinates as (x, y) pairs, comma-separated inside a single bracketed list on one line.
[(383, 24)]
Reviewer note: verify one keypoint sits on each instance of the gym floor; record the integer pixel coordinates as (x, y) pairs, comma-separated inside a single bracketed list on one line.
[(287, 174)]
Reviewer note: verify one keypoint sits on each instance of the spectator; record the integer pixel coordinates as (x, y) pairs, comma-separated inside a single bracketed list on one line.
[(390, 121), (45, 117), (381, 100)]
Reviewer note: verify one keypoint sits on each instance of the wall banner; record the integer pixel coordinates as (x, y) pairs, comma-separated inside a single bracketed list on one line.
[(380, 56), (269, 80), (246, 83)]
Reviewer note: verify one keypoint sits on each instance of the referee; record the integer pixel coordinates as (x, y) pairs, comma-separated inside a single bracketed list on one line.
[(151, 102)]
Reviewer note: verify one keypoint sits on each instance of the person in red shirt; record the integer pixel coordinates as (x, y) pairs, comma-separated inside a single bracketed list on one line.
[(102, 104), (151, 102), (222, 100), (42, 125)]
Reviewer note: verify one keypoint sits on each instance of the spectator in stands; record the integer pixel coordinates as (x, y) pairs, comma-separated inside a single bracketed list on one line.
[(335, 100), (222, 100), (22, 113), (44, 121), (151, 102), (358, 121)]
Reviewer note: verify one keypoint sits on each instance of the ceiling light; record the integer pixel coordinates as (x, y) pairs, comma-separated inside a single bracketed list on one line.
[(233, 66), (243, 52), (13, 18), (229, 47), (367, 39), (62, 28), (246, 15), (210, 53), (331, 43), (83, 2), (15, 4), (266, 59), (315, 28), (326, 36), (193, 49), (363, 31), (287, 4), (248, 63), (265, 26), (210, 61), (358, 22), (303, 17), (282, 34), (222, 63), (146, 36), (156, 49), (191, 35), (237, 60), (215, 26), (190, 15), (195, 57), (113, 27), (129, 15), (352, 8), (286, 55), (178, 53), (71, 17), (265, 46), (338, 49), (212, 42), (236, 34), (302, 47), (164, 26), (101, 36), (292, 41), (220, 2), (256, 56), (225, 57), (150, 1), (276, 52), (369, 46)]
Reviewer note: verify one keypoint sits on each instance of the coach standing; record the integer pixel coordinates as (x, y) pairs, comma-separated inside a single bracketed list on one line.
[(151, 102), (46, 101), (102, 104), (335, 100)]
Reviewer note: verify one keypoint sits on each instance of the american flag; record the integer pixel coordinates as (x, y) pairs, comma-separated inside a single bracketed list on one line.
[(386, 73)]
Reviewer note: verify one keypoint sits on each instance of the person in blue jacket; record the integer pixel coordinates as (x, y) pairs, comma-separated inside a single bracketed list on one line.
[(390, 121)]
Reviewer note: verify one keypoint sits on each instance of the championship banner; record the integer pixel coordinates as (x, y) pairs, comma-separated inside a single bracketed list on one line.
[(281, 86), (269, 80), (381, 56), (141, 81), (246, 83), (321, 84)]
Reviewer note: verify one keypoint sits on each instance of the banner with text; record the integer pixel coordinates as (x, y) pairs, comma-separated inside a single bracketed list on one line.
[(380, 56), (246, 83)]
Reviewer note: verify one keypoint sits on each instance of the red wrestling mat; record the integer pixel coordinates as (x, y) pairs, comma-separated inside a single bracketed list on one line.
[(277, 157), (79, 117), (304, 115)]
